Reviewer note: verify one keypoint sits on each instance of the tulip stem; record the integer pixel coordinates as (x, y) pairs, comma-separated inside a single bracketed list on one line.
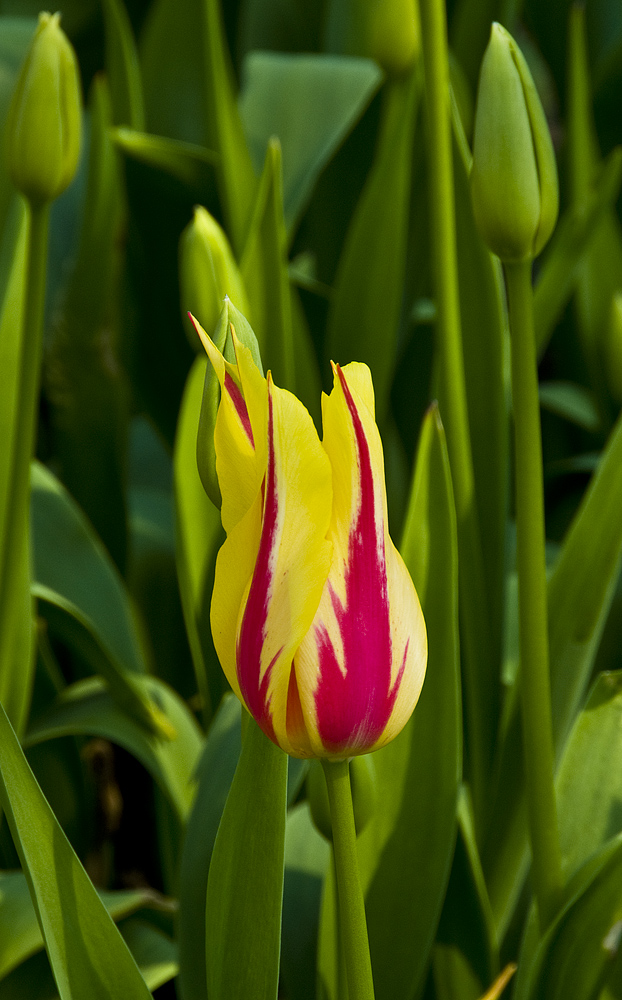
[(352, 922), (26, 410), (535, 687)]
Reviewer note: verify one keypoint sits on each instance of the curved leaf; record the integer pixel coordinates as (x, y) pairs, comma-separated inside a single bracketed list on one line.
[(86, 708), (86, 951)]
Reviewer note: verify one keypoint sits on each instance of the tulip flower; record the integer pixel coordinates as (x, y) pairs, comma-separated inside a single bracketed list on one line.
[(315, 619)]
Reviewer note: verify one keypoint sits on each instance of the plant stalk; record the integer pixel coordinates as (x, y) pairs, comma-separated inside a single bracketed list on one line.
[(481, 674), (352, 922), (535, 686), (24, 436)]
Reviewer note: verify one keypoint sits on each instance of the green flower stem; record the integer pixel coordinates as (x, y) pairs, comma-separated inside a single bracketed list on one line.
[(482, 687), (26, 408), (352, 922), (533, 631)]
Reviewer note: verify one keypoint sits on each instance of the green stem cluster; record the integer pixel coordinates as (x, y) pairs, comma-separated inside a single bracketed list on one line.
[(535, 686), (352, 922)]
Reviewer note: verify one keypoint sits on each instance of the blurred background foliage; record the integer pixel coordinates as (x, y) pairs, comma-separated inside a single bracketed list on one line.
[(331, 232)]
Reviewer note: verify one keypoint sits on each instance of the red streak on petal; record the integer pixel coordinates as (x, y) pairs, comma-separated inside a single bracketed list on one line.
[(354, 697), (240, 407), (252, 632)]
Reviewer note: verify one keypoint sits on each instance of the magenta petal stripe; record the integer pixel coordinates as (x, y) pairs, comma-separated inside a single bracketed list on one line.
[(252, 632), (354, 705), (240, 406)]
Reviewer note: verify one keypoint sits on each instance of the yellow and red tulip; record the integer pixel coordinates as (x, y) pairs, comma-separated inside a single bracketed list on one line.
[(315, 619)]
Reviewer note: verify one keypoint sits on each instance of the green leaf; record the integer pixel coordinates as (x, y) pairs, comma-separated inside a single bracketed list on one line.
[(154, 952), (571, 241), (86, 384), (16, 633), (86, 951), (307, 856), (245, 885), (86, 708), (266, 277), (572, 402), (419, 772), (364, 316), (191, 164), (310, 102), (199, 535), (214, 775), (589, 779), (573, 956), (20, 934), (83, 595), (580, 591), (122, 66), (236, 177)]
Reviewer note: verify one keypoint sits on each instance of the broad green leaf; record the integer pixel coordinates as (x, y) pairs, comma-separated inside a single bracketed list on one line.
[(199, 535), (266, 277), (307, 856), (86, 708), (245, 884), (236, 177), (580, 591), (87, 388), (572, 402), (189, 163), (20, 934), (419, 772), (466, 955), (589, 779), (16, 628), (122, 66), (154, 952), (600, 272), (572, 958), (571, 242), (366, 305), (70, 559), (171, 56), (310, 102), (87, 954), (214, 775), (83, 594)]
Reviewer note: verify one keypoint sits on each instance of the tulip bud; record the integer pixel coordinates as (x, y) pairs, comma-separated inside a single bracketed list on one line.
[(363, 785), (44, 122), (207, 272), (613, 348), (230, 318), (388, 32), (514, 176)]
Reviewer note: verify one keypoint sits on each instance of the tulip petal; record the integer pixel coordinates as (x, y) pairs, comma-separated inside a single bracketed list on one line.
[(360, 669), (274, 571)]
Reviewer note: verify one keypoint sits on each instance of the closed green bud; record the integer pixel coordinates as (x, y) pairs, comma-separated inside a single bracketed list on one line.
[(613, 348), (207, 272), (230, 319), (364, 795), (514, 176), (45, 119), (386, 31)]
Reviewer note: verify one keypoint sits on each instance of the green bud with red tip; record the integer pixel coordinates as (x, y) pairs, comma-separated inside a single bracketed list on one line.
[(514, 177), (45, 118)]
